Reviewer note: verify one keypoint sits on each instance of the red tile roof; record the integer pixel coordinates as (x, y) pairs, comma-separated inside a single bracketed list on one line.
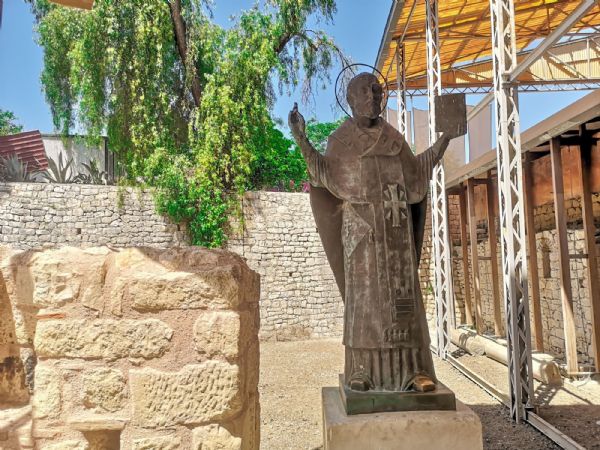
[(29, 148)]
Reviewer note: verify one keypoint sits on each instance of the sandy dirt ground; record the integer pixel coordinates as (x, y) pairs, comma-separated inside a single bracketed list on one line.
[(291, 377), (573, 408)]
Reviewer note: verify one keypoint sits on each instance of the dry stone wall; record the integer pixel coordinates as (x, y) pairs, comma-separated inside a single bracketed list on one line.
[(137, 348), (279, 240), (34, 215), (299, 296), (549, 279)]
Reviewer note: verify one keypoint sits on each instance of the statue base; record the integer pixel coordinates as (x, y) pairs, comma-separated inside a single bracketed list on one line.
[(355, 402), (408, 430)]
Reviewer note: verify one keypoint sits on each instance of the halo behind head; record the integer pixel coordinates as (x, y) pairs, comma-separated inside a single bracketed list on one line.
[(345, 84)]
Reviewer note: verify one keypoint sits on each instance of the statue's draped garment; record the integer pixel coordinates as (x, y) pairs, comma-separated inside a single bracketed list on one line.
[(368, 198)]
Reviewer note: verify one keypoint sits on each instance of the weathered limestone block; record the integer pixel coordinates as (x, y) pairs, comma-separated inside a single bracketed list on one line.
[(214, 437), (180, 278), (47, 397), (104, 389), (102, 338), (66, 445), (105, 321), (17, 311), (197, 393), (218, 333), (157, 443), (67, 275)]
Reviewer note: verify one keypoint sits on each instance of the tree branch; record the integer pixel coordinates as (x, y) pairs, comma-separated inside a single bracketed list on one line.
[(179, 30), (283, 42)]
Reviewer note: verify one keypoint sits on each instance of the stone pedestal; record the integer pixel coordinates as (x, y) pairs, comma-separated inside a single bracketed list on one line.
[(423, 430), (442, 399)]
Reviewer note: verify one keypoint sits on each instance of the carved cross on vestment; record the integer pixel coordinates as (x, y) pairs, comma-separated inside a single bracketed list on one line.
[(396, 205)]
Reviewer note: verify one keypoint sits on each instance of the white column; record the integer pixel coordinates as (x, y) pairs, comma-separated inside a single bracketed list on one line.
[(512, 217), (401, 90), (439, 212)]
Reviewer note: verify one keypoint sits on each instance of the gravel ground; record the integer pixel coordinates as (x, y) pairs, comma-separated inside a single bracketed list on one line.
[(291, 377), (573, 408)]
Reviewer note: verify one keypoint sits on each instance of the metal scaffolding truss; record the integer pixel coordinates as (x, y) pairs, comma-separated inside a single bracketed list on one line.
[(583, 85), (508, 73), (401, 90), (512, 223), (439, 219)]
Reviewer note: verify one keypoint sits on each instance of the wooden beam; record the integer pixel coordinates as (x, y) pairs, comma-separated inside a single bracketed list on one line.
[(589, 231), (536, 309), (492, 241), (563, 252), (462, 201), (474, 255)]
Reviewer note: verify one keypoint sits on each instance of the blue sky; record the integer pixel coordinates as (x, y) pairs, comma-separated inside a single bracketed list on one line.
[(357, 29)]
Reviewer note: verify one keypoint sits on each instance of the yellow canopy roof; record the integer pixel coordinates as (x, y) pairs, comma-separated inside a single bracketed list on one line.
[(465, 34), (83, 4)]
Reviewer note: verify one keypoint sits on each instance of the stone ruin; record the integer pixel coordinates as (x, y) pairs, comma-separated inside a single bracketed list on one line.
[(135, 348)]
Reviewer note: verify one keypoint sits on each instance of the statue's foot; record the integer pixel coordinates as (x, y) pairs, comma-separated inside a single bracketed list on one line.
[(360, 382), (423, 383), (359, 385)]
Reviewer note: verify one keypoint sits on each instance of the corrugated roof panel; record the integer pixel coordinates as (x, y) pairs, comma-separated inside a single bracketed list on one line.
[(29, 148), (465, 31)]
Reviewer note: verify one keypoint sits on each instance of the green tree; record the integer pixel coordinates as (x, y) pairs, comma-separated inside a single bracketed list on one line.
[(8, 123), (185, 103), (278, 164), (318, 132)]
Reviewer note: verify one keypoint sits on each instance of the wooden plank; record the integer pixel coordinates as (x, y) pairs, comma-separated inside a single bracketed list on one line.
[(563, 253), (493, 243), (579, 256), (462, 201), (589, 231), (537, 333), (474, 255)]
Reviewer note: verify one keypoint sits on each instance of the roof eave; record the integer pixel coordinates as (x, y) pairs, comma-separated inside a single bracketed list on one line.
[(392, 19)]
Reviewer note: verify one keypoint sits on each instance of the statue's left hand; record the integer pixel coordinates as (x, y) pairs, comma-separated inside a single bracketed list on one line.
[(297, 123), (461, 130)]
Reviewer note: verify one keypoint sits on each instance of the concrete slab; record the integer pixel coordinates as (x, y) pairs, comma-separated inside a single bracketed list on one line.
[(423, 430)]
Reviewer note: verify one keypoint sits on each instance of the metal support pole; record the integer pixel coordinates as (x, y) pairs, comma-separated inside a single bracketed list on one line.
[(401, 90), (510, 190), (443, 269)]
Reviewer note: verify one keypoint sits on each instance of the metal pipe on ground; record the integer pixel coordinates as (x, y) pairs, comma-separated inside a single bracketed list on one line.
[(545, 369)]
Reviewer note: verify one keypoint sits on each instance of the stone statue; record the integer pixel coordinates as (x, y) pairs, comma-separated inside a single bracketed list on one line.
[(368, 195)]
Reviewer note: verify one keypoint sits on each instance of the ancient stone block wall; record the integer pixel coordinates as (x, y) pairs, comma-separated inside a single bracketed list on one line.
[(34, 215), (426, 266), (139, 348), (299, 297), (549, 277)]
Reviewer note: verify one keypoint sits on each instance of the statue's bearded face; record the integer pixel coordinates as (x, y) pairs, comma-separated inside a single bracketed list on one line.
[(365, 96)]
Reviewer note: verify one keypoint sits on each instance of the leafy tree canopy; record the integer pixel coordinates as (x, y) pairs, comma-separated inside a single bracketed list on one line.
[(318, 132), (184, 102), (8, 123)]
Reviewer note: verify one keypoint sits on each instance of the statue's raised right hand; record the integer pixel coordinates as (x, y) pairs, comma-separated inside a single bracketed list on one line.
[(296, 122)]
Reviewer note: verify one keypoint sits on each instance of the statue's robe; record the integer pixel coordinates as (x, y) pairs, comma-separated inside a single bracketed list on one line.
[(368, 198)]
